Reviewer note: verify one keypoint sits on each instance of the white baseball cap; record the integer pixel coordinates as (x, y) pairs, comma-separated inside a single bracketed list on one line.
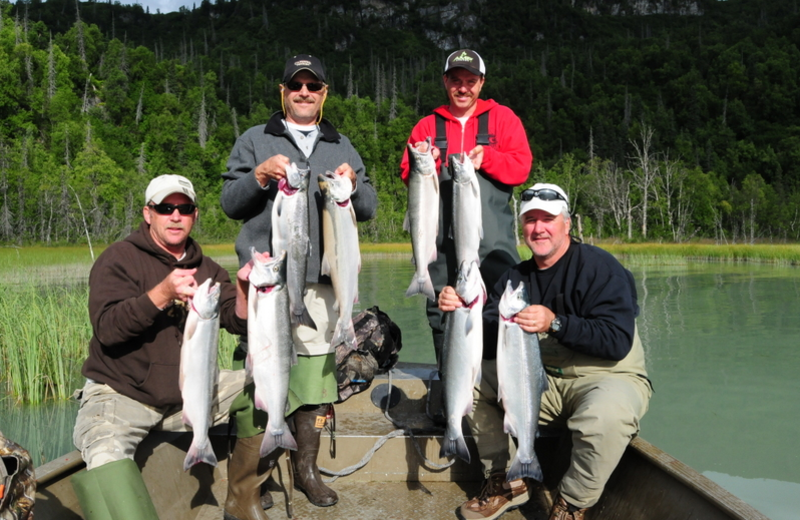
[(165, 185), (546, 197)]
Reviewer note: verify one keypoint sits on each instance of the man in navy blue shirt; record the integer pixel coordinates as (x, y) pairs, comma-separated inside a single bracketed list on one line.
[(583, 306)]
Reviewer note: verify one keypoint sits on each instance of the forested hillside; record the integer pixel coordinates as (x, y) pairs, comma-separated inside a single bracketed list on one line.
[(665, 120)]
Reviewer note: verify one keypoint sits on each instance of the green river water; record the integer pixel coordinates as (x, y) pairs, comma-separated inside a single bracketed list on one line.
[(723, 350)]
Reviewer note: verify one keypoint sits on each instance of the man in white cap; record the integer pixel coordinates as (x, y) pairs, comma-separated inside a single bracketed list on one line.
[(297, 134), (494, 140), (584, 308), (138, 293)]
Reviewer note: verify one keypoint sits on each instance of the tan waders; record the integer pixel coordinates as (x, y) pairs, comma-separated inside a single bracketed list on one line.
[(246, 473), (308, 423)]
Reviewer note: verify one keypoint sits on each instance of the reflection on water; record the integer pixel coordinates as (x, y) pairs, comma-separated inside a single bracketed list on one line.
[(721, 345)]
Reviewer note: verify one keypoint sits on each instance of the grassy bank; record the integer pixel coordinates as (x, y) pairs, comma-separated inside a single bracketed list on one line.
[(44, 339), (778, 254)]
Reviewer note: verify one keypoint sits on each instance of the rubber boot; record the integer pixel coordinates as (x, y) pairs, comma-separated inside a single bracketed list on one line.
[(114, 491), (309, 422), (246, 473)]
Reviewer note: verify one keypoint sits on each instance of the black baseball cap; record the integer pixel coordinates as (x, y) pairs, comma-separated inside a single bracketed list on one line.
[(466, 59), (303, 62)]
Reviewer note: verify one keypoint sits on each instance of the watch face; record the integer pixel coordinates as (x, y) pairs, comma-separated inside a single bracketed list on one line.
[(555, 325)]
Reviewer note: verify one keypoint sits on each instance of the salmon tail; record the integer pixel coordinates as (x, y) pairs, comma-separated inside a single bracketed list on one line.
[(530, 469), (303, 318), (196, 455), (345, 333), (277, 439), (422, 285), (455, 446)]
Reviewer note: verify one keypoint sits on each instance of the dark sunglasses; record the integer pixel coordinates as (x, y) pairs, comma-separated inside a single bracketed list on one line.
[(543, 194), (167, 209), (296, 86)]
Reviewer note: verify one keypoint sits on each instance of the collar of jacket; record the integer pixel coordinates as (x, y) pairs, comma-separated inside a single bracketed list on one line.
[(275, 126)]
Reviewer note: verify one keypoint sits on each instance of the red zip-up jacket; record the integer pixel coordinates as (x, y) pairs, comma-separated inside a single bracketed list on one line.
[(506, 159)]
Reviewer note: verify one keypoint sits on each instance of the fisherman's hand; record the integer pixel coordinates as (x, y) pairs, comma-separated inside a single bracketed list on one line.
[(178, 285), (272, 168), (423, 147), (534, 318), (346, 170), (476, 156), (242, 288), (449, 300)]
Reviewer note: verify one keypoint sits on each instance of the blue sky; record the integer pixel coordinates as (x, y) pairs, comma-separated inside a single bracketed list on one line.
[(166, 6)]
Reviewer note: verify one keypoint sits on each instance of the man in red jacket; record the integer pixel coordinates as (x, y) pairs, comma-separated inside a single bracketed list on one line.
[(494, 139)]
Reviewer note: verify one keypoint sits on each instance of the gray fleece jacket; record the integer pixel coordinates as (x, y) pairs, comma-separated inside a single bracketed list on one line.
[(244, 199)]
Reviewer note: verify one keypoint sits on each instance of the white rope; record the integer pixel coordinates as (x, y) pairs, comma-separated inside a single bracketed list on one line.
[(402, 429)]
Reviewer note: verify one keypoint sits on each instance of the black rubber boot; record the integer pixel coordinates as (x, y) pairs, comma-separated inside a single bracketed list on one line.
[(246, 473), (308, 423)]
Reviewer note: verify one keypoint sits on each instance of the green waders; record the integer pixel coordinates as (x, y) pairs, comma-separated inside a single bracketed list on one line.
[(114, 491)]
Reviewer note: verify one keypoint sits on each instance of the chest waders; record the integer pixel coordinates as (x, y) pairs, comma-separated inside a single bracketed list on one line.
[(498, 250)]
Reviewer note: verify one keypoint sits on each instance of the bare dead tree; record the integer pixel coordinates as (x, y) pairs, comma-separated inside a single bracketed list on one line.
[(139, 105), (235, 121), (202, 124), (51, 70), (79, 29), (393, 106), (645, 170)]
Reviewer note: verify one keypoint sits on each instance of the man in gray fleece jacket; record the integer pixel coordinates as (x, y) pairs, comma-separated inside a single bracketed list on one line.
[(257, 163)]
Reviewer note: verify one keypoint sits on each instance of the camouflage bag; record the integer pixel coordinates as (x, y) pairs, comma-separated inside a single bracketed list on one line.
[(379, 341), (17, 482)]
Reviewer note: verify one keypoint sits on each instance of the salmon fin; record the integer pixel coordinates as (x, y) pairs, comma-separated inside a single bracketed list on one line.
[(456, 446), (303, 319), (197, 455), (325, 268), (259, 402), (520, 469), (274, 440), (407, 223)]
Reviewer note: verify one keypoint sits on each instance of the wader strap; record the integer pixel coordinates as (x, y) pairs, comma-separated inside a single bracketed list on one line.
[(483, 130), (440, 141)]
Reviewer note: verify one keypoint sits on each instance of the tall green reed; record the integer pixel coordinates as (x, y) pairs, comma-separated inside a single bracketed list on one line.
[(44, 333), (44, 338)]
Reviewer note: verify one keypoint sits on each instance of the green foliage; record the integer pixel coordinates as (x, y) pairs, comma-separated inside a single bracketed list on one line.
[(96, 98)]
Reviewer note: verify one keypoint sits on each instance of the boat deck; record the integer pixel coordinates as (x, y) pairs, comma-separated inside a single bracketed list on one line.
[(395, 482)]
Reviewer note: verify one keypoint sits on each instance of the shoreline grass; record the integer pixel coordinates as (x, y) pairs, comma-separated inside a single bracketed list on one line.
[(44, 322)]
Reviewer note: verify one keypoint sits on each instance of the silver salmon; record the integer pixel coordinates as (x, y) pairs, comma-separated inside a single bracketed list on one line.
[(467, 229), (270, 349), (461, 357), (341, 259), (422, 217), (199, 371), (521, 381), (290, 234)]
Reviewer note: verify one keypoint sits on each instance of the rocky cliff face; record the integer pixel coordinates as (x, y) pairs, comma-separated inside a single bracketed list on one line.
[(640, 7)]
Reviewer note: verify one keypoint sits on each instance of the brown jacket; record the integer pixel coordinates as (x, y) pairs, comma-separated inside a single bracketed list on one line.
[(135, 347)]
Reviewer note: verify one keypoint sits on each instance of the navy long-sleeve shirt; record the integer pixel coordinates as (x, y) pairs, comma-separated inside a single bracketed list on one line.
[(592, 293)]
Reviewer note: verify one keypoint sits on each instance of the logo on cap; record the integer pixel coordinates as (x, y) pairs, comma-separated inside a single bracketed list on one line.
[(302, 63), (464, 57)]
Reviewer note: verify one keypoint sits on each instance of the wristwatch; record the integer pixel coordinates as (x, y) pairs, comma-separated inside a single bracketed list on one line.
[(555, 325)]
